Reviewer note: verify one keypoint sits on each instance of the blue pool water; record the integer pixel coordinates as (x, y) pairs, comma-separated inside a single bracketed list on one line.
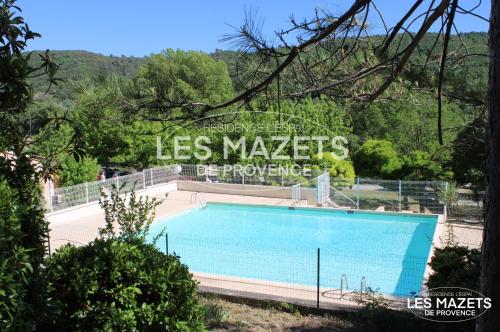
[(277, 244)]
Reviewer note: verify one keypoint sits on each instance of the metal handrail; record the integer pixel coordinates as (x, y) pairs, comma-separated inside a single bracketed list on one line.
[(342, 280), (345, 196), (198, 198), (362, 286)]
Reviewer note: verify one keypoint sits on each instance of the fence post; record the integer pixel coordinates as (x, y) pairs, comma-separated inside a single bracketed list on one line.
[(445, 205), (87, 192), (144, 179), (317, 281), (357, 193), (151, 171), (51, 196), (243, 178), (399, 195)]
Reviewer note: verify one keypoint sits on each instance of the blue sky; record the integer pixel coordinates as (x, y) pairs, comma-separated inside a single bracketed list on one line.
[(147, 26)]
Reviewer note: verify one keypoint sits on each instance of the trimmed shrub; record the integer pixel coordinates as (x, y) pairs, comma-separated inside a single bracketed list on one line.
[(455, 266), (377, 159), (111, 285), (341, 171)]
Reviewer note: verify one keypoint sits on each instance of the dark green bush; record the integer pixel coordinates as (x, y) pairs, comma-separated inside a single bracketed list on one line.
[(455, 266), (111, 285), (15, 267)]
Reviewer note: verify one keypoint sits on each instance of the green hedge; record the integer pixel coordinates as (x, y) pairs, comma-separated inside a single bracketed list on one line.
[(455, 266), (111, 285)]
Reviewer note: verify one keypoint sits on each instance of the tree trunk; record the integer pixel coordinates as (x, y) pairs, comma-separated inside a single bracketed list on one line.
[(490, 256)]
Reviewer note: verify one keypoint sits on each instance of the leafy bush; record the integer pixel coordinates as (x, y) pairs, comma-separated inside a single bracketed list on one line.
[(75, 172), (455, 266), (420, 165), (15, 265), (341, 171), (111, 285), (179, 74), (133, 215), (377, 159), (214, 312)]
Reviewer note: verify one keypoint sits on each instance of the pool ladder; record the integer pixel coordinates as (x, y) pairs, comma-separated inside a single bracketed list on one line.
[(343, 282), (198, 198), (362, 286), (344, 285)]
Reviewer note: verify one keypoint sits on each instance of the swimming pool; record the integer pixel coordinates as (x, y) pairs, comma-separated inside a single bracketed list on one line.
[(279, 244)]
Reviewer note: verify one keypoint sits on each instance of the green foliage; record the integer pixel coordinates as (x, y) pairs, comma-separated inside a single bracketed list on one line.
[(214, 313), (410, 123), (95, 115), (179, 75), (468, 156), (24, 182), (140, 151), (78, 66), (408, 119), (468, 79), (419, 165), (448, 193), (19, 171), (74, 172), (53, 142), (111, 285), (320, 117), (131, 214), (15, 267), (120, 282), (38, 115), (377, 159), (455, 266), (341, 171)]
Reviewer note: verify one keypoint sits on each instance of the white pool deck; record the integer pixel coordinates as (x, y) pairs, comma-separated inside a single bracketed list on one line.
[(80, 226)]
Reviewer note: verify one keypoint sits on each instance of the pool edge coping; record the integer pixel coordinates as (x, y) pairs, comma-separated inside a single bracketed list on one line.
[(315, 208)]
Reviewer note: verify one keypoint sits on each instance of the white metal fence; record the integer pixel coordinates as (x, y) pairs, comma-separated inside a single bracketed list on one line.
[(236, 175), (391, 195), (89, 192), (365, 194), (466, 206), (296, 192)]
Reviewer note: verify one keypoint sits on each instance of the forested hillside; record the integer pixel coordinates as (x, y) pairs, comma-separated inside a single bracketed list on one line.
[(394, 137), (78, 66)]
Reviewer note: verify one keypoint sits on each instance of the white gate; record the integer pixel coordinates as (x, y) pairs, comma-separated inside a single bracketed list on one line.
[(296, 196), (323, 188)]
